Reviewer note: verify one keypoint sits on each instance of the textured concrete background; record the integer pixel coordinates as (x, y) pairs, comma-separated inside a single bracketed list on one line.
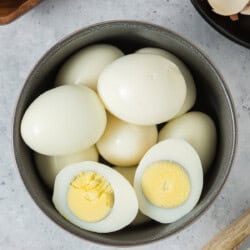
[(22, 43)]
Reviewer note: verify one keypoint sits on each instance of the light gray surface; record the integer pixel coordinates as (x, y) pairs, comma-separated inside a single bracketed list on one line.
[(22, 43)]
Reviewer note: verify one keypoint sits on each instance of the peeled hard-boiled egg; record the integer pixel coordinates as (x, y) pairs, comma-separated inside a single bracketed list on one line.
[(49, 166), (196, 128), (84, 67), (169, 180), (143, 89), (227, 7), (63, 120), (94, 197), (124, 144), (191, 90), (246, 10), (129, 174)]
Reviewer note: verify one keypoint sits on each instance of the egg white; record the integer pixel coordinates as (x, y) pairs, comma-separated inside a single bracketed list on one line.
[(86, 65), (124, 144), (63, 120), (196, 128), (182, 153), (129, 173), (142, 89), (191, 90), (49, 166), (125, 205)]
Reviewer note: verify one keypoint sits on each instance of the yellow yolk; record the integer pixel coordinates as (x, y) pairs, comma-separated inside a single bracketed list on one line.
[(90, 197), (166, 184)]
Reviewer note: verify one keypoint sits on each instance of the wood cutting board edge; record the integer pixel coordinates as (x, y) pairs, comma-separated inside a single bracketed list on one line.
[(22, 9)]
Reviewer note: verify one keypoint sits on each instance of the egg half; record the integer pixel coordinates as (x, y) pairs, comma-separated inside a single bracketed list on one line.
[(49, 166), (94, 197), (168, 181)]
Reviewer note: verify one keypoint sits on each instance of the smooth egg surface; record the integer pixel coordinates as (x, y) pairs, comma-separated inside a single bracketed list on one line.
[(124, 144), (49, 166), (191, 90), (129, 174), (95, 197), (63, 120), (143, 89), (85, 66), (199, 130), (169, 180)]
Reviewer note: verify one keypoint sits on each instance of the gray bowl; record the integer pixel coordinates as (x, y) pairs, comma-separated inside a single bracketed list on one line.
[(213, 99)]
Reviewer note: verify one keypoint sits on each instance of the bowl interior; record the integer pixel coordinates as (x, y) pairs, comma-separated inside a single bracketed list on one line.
[(213, 99)]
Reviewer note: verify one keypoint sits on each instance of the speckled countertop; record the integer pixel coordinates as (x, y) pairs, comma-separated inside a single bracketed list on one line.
[(22, 43)]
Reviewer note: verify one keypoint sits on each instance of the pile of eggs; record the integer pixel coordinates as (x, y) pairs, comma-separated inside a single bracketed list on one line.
[(107, 106)]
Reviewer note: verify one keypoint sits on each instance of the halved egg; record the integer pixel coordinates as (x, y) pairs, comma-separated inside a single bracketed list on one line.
[(49, 166), (168, 181), (129, 174), (94, 197)]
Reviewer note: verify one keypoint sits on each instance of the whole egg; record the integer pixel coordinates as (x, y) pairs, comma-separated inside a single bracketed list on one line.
[(143, 89), (63, 120)]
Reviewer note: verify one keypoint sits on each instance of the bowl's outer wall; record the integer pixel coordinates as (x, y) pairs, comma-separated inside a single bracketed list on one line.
[(213, 99)]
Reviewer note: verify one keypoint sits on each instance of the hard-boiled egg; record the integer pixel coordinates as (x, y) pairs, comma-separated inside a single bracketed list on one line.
[(124, 144), (191, 90), (196, 128), (63, 120), (168, 181), (227, 7), (94, 197), (49, 166), (246, 10), (85, 66), (129, 174), (143, 89)]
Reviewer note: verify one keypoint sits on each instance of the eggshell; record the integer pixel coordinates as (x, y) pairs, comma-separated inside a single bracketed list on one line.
[(63, 120), (49, 166), (199, 130), (124, 144), (143, 89), (85, 66), (125, 205), (191, 90)]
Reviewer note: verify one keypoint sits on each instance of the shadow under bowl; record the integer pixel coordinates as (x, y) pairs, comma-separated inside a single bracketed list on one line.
[(213, 98)]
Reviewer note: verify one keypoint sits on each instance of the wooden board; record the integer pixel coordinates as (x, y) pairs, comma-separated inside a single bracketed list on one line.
[(233, 235), (11, 9)]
